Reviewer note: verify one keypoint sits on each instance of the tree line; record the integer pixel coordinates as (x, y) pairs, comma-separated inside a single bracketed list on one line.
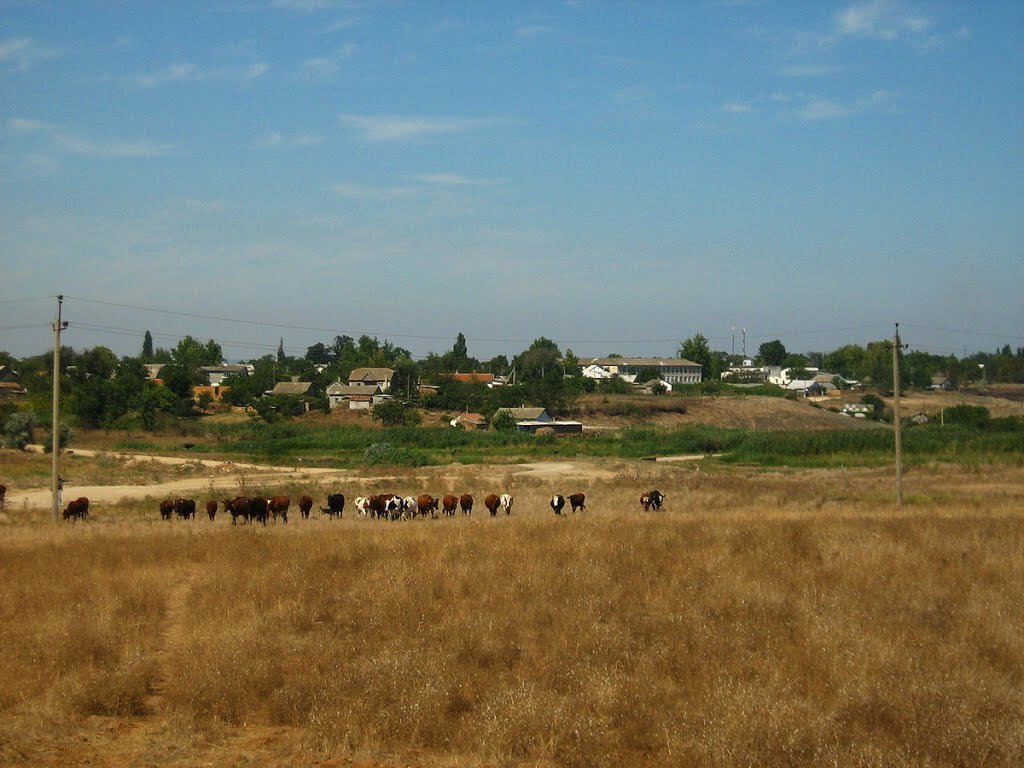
[(103, 390)]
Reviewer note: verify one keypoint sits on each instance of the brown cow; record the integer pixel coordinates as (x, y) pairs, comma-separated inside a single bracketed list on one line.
[(652, 499), (492, 503), (576, 499), (376, 504), (466, 502), (305, 504), (211, 509), (237, 507), (448, 504), (185, 508), (3, 495), (278, 505), (77, 509), (427, 503), (166, 509)]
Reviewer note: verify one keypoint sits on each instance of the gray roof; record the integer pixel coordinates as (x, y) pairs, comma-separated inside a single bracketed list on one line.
[(337, 389), (522, 414), (291, 388)]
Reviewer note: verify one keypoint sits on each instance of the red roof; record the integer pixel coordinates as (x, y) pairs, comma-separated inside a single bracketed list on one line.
[(483, 378)]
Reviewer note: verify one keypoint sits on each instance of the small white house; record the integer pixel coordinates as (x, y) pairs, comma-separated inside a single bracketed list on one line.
[(358, 397)]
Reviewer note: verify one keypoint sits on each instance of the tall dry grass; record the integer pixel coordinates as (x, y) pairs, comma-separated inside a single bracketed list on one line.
[(769, 618)]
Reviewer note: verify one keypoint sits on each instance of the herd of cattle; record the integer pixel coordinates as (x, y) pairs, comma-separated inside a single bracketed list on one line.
[(387, 506)]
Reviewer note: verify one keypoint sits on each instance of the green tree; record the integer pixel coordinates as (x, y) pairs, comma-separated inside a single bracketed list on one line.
[(18, 429), (571, 363), (772, 352), (281, 358), (391, 413), (503, 421), (697, 350), (147, 347)]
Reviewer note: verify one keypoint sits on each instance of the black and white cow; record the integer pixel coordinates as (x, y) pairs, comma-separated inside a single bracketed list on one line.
[(557, 502)]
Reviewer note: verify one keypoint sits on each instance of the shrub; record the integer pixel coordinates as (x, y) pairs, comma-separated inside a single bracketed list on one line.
[(976, 416), (18, 429), (394, 455)]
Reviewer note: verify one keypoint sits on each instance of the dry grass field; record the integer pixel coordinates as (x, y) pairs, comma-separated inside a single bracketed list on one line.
[(764, 617)]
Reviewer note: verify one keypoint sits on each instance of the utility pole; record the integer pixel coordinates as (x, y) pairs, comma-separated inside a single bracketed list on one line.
[(896, 416), (55, 481), (744, 343)]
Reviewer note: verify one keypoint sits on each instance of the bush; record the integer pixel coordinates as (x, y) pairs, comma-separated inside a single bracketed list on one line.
[(65, 436), (976, 416), (18, 429), (503, 421), (394, 455)]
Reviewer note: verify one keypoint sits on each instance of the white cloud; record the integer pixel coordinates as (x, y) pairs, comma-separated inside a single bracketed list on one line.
[(738, 108), (812, 70), (78, 145), (450, 180), (21, 54), (399, 128), (275, 139), (822, 109), (187, 72), (880, 20), (362, 192), (325, 66)]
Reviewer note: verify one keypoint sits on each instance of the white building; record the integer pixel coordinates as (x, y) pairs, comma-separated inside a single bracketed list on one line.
[(672, 370)]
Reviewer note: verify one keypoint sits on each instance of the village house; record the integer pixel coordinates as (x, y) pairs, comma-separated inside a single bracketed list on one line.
[(10, 383), (533, 419), (673, 370), (355, 397), (380, 377), (469, 420)]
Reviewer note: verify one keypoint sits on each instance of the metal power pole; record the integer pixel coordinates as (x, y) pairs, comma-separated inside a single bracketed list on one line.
[(896, 415), (58, 326)]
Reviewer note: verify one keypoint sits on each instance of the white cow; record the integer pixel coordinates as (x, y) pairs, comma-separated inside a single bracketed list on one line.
[(506, 503)]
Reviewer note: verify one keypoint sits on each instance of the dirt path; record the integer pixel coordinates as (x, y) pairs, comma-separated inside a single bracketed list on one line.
[(226, 475), (171, 636)]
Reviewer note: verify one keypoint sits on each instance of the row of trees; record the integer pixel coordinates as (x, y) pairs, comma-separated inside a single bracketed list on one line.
[(102, 389), (871, 364)]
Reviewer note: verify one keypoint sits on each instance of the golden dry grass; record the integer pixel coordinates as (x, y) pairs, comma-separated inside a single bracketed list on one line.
[(770, 618)]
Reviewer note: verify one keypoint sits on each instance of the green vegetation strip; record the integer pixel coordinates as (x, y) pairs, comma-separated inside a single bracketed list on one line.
[(1000, 440)]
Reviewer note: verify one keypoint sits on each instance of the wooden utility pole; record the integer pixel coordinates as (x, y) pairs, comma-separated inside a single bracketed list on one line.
[(55, 481), (896, 416)]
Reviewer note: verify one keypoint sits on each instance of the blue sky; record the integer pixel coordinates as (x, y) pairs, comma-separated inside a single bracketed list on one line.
[(617, 176)]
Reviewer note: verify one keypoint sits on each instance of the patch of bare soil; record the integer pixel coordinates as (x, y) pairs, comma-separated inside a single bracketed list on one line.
[(758, 413)]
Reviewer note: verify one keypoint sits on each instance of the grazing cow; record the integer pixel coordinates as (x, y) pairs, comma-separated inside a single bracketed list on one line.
[(335, 505), (376, 505), (652, 499), (185, 508), (466, 502), (392, 506), (305, 504), (557, 502), (492, 502), (427, 503), (166, 508), (259, 509), (211, 509), (3, 495), (448, 504), (506, 503), (410, 506), (576, 500), (278, 505), (77, 509), (237, 507), (362, 505)]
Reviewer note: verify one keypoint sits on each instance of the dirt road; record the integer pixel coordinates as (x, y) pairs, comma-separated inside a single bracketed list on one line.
[(225, 475)]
